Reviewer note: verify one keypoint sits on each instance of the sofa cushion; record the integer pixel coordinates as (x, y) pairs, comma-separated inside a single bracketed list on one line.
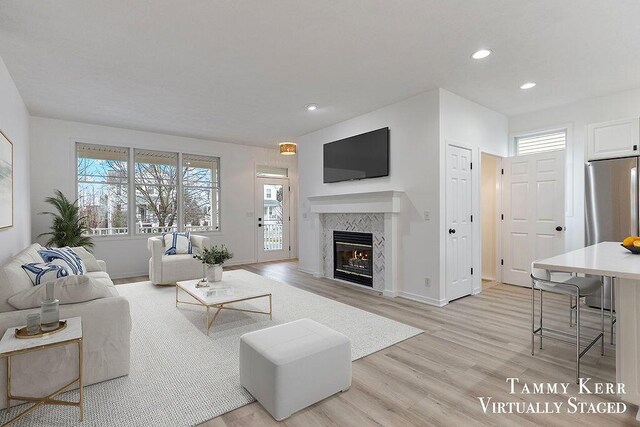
[(67, 290), (67, 255), (90, 261), (41, 272), (13, 279), (103, 277), (177, 243)]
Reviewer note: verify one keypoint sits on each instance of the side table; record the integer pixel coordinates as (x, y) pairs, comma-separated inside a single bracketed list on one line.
[(11, 346)]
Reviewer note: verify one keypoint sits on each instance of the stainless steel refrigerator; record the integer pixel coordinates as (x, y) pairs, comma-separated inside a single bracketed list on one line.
[(612, 205)]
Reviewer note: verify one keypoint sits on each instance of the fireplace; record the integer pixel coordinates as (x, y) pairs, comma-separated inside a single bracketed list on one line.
[(353, 257)]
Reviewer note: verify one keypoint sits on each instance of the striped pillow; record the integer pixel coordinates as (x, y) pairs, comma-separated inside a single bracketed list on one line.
[(40, 273), (177, 243), (69, 259)]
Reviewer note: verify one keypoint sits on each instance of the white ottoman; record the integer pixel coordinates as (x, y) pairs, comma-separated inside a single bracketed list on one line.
[(289, 367)]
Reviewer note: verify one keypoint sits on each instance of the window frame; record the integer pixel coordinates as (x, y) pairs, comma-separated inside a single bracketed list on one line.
[(131, 187), (534, 133), (215, 189)]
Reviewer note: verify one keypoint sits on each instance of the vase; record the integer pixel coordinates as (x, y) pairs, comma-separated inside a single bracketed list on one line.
[(214, 273)]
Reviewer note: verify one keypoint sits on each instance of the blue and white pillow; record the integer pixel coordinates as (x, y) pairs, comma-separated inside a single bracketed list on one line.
[(41, 273), (67, 257), (177, 243)]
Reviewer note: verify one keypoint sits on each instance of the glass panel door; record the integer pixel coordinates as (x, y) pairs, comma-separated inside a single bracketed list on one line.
[(272, 218)]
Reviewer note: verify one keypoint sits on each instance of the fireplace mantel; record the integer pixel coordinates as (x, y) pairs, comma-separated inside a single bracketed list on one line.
[(375, 202), (371, 202)]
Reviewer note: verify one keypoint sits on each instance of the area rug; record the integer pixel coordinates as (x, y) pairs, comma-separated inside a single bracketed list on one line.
[(180, 376)]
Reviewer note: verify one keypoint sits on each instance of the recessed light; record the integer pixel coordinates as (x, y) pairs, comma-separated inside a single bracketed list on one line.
[(482, 53), (311, 107), (527, 85)]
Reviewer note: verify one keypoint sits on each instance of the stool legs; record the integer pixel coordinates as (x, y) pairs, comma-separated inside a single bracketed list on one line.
[(541, 319), (577, 338), (533, 317)]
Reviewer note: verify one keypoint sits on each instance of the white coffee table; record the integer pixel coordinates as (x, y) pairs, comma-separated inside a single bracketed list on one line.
[(11, 346), (227, 292)]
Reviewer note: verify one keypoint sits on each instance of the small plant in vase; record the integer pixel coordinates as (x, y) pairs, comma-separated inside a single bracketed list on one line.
[(213, 259)]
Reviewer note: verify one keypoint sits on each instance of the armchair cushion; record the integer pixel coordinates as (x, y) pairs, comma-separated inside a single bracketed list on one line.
[(177, 243)]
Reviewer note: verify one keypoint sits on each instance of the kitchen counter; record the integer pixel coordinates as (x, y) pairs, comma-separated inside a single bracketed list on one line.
[(602, 259), (612, 260)]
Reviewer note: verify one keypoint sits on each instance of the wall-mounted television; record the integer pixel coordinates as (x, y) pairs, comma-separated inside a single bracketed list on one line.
[(357, 157)]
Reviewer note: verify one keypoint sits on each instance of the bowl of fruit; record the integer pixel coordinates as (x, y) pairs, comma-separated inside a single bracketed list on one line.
[(632, 244)]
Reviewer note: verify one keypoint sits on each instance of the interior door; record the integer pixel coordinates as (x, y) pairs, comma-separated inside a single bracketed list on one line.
[(458, 221), (534, 212), (272, 218)]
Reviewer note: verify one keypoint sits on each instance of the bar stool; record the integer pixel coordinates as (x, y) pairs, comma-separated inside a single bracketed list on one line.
[(576, 287)]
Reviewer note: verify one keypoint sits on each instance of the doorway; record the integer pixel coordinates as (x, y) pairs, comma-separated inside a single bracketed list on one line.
[(490, 201), (272, 219)]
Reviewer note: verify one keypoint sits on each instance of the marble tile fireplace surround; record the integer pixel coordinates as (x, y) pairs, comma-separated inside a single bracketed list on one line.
[(374, 213)]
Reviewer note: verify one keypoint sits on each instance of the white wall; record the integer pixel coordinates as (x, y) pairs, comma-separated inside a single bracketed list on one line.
[(474, 126), (576, 116), (52, 160), (14, 122), (413, 127)]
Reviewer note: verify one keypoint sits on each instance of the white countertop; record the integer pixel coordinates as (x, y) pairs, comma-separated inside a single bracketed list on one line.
[(602, 259)]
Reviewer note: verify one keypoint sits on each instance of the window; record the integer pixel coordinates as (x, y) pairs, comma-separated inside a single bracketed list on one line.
[(541, 142), (271, 172), (103, 188), (156, 179), (268, 195), (201, 193), (110, 179)]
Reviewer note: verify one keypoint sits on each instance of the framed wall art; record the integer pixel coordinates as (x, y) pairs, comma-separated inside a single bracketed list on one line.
[(6, 182)]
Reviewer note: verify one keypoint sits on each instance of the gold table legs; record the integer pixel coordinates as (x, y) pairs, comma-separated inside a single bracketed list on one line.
[(48, 399), (223, 306)]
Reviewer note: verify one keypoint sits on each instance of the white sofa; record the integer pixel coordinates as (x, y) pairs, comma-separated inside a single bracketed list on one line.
[(106, 325), (168, 269)]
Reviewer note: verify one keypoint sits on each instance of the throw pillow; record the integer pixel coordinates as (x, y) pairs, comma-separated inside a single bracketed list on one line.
[(177, 243), (67, 290), (40, 273), (90, 262), (73, 262)]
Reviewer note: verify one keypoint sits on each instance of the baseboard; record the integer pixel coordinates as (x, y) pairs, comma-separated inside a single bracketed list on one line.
[(127, 275), (422, 299), (491, 279), (391, 294), (311, 272), (476, 291)]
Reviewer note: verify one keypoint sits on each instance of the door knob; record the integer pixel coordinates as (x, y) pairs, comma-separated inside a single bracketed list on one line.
[(559, 228), (452, 231), (259, 225)]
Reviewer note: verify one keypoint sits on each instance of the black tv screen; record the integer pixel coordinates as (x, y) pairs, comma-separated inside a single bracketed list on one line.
[(357, 157)]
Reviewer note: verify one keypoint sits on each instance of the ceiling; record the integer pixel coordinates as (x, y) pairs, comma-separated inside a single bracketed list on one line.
[(242, 71)]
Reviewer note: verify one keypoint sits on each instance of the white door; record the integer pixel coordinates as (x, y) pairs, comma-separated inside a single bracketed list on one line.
[(458, 214), (533, 208), (272, 218)]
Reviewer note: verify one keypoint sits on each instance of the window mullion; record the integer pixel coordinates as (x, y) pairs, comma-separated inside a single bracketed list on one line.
[(131, 181), (180, 194)]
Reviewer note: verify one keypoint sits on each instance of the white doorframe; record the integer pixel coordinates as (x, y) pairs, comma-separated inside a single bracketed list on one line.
[(498, 209)]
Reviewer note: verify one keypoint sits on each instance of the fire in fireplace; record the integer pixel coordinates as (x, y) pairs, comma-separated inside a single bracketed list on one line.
[(353, 257)]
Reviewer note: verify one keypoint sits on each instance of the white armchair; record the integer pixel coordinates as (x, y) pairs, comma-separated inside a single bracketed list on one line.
[(168, 269)]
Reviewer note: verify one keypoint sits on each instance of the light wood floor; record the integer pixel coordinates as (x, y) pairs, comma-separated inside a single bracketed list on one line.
[(467, 351)]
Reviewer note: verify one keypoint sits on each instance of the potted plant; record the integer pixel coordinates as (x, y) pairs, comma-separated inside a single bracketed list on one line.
[(68, 227), (213, 259)]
